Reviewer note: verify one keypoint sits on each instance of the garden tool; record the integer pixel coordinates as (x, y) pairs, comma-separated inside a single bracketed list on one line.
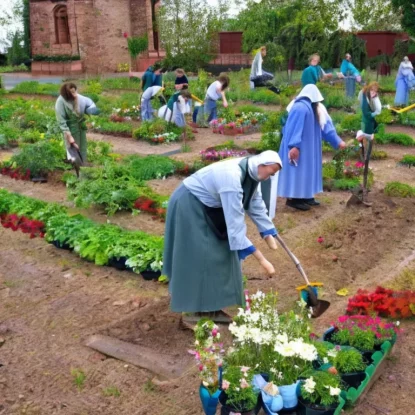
[(401, 110), (308, 292), (74, 158), (359, 195)]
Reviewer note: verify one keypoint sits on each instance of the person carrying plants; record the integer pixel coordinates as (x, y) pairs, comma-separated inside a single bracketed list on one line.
[(205, 235), (215, 92), (405, 80), (70, 109), (371, 106), (147, 112), (314, 72), (301, 151), (176, 108)]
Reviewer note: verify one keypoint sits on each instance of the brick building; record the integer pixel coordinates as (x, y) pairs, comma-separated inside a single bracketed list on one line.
[(93, 29)]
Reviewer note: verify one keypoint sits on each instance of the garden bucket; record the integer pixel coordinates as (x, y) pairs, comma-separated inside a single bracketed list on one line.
[(209, 401)]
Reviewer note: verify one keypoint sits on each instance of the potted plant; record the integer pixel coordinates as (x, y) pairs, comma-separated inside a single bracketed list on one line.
[(363, 332), (319, 394), (238, 394), (350, 364), (208, 354)]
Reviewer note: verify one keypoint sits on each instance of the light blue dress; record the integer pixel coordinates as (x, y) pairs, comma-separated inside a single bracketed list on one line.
[(303, 131), (405, 80)]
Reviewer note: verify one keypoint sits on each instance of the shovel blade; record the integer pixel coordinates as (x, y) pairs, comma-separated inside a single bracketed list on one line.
[(320, 308)]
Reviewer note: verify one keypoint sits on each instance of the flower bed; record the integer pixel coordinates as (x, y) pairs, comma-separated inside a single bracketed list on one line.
[(125, 114), (160, 131), (15, 222), (101, 244), (15, 173), (384, 302), (211, 154)]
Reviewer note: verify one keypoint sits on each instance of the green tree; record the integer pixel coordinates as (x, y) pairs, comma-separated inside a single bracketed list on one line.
[(16, 54), (406, 12), (374, 15), (188, 31)]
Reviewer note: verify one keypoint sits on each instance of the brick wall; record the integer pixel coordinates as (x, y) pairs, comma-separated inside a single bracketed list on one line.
[(96, 30)]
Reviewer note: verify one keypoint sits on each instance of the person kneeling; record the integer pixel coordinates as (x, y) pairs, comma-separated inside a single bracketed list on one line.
[(146, 107)]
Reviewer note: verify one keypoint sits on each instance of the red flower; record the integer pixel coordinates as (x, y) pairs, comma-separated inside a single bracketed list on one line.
[(320, 239)]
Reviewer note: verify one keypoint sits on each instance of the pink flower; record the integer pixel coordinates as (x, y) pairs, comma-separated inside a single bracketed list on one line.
[(343, 319), (244, 383), (359, 164), (244, 369), (347, 163), (214, 332), (320, 239), (201, 367), (225, 384), (125, 34)]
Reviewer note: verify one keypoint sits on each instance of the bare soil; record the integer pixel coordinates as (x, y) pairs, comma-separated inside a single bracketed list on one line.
[(51, 301)]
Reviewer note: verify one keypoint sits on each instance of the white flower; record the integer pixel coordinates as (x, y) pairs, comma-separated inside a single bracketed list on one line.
[(332, 353), (335, 391), (325, 360), (309, 385), (398, 323)]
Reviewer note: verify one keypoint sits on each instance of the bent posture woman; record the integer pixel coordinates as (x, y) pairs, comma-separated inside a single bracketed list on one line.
[(70, 109), (205, 236)]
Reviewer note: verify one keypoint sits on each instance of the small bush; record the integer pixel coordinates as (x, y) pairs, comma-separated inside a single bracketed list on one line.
[(408, 160), (346, 184), (351, 122), (385, 117), (270, 141), (248, 108), (395, 138), (396, 189)]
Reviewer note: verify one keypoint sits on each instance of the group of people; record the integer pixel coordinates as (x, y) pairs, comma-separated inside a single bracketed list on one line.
[(206, 235)]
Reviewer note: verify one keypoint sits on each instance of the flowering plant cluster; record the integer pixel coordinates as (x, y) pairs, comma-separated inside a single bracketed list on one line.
[(26, 225), (125, 114), (216, 155), (238, 386), (208, 353), (353, 170), (244, 122), (163, 138), (384, 302), (272, 343), (123, 67), (321, 388), (16, 173), (363, 332), (148, 205)]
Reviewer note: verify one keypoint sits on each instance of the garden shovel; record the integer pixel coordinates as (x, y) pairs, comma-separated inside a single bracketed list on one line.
[(318, 307), (359, 196)]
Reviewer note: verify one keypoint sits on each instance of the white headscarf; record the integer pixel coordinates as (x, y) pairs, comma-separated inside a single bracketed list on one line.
[(406, 63), (314, 95), (266, 158)]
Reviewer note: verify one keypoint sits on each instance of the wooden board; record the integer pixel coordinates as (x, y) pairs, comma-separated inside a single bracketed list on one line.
[(160, 364)]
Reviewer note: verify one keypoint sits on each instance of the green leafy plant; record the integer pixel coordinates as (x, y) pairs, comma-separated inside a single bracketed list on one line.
[(150, 167), (348, 360), (408, 160), (237, 384), (111, 391), (396, 189), (40, 158), (137, 45), (56, 58), (79, 378), (321, 388), (34, 87)]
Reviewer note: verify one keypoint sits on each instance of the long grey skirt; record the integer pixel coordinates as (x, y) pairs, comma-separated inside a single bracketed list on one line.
[(204, 274)]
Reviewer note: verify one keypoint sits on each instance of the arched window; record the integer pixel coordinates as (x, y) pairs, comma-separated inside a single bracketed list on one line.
[(61, 25)]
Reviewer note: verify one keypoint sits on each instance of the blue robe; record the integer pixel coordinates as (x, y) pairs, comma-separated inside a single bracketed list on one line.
[(311, 75), (348, 69), (303, 131), (405, 80)]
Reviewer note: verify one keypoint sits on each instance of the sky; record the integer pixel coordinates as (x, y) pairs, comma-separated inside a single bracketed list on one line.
[(5, 5)]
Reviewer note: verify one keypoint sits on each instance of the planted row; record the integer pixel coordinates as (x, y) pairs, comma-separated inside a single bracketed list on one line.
[(101, 244)]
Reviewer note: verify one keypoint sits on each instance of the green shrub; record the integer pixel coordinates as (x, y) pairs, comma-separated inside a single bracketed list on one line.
[(41, 157), (385, 117), (31, 136), (395, 138), (270, 141), (379, 155), (396, 189), (249, 108), (10, 131), (408, 160), (150, 167), (104, 126), (407, 118), (349, 360), (92, 87), (329, 170), (274, 122), (98, 152), (56, 58), (346, 184), (121, 83), (351, 122), (19, 68)]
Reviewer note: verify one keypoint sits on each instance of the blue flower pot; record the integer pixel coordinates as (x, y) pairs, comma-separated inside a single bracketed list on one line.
[(271, 404), (289, 395), (209, 402)]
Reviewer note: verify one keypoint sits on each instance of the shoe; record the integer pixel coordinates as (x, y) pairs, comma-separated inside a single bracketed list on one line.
[(297, 204), (274, 89), (311, 202), (216, 316)]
